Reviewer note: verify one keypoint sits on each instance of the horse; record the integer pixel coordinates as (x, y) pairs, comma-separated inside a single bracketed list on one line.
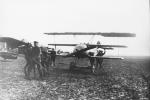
[(27, 51), (32, 63)]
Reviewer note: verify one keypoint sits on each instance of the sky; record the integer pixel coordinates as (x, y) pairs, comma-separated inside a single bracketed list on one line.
[(29, 19)]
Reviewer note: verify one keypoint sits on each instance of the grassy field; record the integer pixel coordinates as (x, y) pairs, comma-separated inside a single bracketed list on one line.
[(119, 80)]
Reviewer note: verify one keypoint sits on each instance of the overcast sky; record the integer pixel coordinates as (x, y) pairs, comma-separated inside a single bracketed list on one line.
[(29, 19)]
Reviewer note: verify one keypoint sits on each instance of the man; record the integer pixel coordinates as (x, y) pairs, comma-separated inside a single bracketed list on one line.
[(36, 56), (53, 56), (44, 59), (99, 52), (49, 56), (27, 50)]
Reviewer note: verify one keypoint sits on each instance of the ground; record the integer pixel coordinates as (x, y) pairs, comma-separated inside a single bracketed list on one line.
[(119, 80)]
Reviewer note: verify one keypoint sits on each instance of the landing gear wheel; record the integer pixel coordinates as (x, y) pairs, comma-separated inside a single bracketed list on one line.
[(72, 65)]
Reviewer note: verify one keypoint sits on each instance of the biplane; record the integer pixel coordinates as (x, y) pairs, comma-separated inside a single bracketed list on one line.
[(85, 50)]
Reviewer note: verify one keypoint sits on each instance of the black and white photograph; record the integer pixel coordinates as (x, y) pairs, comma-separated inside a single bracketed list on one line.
[(74, 50)]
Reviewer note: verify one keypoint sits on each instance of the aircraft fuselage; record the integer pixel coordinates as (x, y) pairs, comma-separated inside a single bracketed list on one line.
[(80, 47)]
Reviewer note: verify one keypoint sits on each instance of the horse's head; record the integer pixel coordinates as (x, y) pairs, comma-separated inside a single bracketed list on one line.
[(24, 48), (28, 45)]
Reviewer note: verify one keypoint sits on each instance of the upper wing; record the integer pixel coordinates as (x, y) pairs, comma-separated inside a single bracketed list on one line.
[(112, 34)]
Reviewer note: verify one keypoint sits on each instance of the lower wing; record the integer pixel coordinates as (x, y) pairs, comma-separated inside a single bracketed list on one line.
[(102, 57)]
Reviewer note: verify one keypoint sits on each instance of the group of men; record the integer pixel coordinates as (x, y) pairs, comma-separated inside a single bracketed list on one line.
[(38, 58)]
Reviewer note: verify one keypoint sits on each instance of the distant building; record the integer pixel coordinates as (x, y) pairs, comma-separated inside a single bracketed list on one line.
[(3, 47)]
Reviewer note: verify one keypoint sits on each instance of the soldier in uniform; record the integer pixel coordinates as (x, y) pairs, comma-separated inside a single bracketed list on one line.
[(44, 59), (99, 52), (53, 56), (27, 50), (36, 56)]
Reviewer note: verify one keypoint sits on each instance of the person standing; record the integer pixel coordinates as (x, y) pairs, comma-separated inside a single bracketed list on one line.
[(27, 50), (36, 56), (44, 59), (99, 52), (53, 57)]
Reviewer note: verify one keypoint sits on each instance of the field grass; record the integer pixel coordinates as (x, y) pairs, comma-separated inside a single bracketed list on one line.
[(119, 80)]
